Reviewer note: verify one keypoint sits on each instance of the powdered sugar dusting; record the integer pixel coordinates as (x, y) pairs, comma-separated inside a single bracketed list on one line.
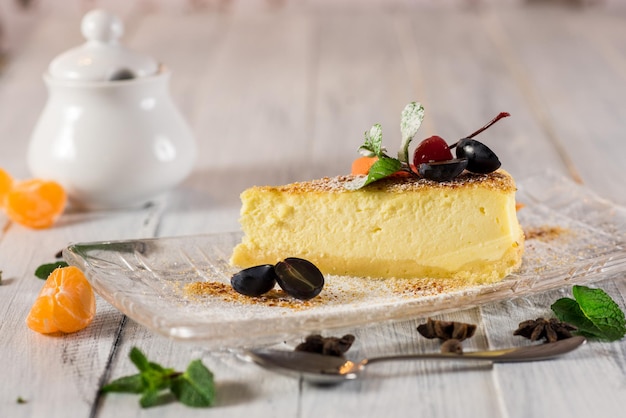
[(498, 180)]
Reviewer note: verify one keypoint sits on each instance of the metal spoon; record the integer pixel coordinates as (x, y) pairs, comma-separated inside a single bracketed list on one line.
[(317, 368)]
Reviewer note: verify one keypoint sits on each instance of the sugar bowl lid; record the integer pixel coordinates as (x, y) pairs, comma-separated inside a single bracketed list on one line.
[(102, 57)]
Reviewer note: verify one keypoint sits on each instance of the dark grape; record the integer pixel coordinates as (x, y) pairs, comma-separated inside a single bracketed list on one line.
[(480, 158), (299, 278), (442, 170), (254, 281)]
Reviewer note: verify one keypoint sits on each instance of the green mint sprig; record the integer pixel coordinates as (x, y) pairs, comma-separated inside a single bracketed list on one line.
[(410, 122), (593, 312), (194, 387), (44, 270)]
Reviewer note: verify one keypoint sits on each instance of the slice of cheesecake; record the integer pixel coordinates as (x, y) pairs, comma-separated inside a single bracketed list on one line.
[(465, 229)]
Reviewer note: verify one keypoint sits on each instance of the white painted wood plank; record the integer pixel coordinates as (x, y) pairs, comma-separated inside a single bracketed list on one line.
[(361, 80), (580, 86), (251, 103)]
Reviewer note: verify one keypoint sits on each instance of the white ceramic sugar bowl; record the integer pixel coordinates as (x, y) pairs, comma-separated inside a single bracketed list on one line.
[(109, 132)]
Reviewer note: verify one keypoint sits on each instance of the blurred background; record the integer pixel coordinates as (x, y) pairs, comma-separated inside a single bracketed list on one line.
[(17, 17), (313, 75)]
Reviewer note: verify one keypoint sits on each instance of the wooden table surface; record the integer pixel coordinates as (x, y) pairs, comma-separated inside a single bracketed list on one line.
[(285, 93)]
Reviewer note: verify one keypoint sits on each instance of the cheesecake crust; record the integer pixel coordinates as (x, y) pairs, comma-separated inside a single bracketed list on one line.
[(496, 181)]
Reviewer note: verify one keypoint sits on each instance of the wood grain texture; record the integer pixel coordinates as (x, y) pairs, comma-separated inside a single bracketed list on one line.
[(285, 93), (578, 88)]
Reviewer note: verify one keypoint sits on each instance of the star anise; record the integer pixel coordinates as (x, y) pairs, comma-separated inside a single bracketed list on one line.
[(445, 330), (551, 329), (328, 346)]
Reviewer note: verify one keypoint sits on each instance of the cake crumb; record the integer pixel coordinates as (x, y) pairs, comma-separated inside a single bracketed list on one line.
[(420, 287), (545, 233)]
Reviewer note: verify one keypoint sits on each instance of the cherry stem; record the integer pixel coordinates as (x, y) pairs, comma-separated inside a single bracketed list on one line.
[(491, 122), (494, 120)]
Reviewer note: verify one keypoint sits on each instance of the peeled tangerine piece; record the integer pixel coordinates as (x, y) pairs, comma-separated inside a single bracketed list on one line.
[(34, 203), (6, 184), (66, 303)]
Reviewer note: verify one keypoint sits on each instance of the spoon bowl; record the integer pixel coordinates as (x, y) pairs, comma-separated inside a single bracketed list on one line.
[(317, 368)]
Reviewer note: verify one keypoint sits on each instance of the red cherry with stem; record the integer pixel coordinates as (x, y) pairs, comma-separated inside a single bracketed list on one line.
[(431, 149)]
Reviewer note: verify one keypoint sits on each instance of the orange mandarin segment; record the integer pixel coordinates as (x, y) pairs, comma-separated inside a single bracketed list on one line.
[(362, 165), (6, 184), (66, 303), (40, 316), (35, 203)]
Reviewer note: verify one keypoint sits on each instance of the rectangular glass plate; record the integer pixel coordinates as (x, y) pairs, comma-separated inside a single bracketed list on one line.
[(573, 237)]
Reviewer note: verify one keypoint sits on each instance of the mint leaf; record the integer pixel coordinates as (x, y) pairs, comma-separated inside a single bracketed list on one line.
[(195, 387), (383, 167), (373, 145), (593, 312), (44, 270), (410, 122), (127, 384), (568, 310), (157, 379), (139, 359), (602, 311), (153, 397)]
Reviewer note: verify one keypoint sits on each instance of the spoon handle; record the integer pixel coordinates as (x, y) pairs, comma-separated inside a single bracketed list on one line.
[(509, 355)]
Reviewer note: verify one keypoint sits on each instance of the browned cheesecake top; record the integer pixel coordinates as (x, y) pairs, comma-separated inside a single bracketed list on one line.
[(499, 181)]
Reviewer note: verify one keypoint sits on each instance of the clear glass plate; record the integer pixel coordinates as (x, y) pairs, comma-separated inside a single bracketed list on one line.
[(573, 237)]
